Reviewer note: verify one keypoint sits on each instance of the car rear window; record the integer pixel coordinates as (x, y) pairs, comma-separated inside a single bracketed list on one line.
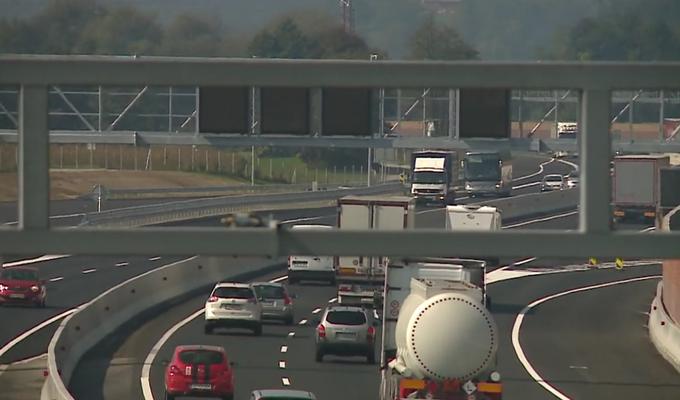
[(201, 357), (553, 178), (270, 292), (233, 293), (19, 275), (346, 318)]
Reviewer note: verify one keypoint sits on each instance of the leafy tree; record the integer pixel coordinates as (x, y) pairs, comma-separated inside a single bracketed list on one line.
[(192, 35), (121, 31), (434, 42), (286, 40)]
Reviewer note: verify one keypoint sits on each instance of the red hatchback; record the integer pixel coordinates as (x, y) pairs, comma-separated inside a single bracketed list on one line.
[(22, 286), (202, 371)]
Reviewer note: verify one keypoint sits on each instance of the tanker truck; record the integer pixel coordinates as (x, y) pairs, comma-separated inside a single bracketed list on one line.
[(439, 338)]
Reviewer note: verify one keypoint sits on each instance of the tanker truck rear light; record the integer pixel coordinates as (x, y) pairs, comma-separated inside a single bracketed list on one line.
[(370, 335), (321, 331), (489, 387), (650, 214)]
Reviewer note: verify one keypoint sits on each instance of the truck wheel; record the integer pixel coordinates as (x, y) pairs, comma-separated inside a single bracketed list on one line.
[(257, 331), (319, 356)]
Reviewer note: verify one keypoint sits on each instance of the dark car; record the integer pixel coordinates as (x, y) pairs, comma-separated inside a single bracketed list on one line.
[(22, 285)]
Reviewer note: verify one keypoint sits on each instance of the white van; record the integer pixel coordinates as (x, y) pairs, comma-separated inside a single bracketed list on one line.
[(313, 268)]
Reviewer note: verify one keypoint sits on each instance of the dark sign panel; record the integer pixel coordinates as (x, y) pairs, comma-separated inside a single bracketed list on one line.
[(670, 187), (346, 111), (484, 113), (223, 109), (284, 110)]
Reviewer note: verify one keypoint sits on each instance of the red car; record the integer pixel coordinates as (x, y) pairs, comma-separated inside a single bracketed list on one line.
[(22, 286), (201, 371)]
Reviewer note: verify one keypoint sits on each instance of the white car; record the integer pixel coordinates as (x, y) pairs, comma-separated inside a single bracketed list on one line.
[(572, 180), (553, 182), (233, 305), (312, 268)]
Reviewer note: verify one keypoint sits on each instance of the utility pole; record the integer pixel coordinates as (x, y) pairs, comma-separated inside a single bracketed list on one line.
[(347, 11)]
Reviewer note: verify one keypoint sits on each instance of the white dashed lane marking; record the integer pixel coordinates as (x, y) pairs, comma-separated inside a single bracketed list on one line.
[(302, 322), (89, 271), (291, 334), (154, 258), (316, 311), (282, 364), (57, 279), (122, 264), (333, 300), (285, 381), (284, 349)]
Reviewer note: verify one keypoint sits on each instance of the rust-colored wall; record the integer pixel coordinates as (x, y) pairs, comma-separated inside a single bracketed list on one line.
[(671, 288)]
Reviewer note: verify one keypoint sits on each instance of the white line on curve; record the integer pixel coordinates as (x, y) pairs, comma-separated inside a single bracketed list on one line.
[(154, 258), (520, 318), (526, 185), (292, 221), (33, 260), (533, 221), (539, 172), (89, 271), (33, 330)]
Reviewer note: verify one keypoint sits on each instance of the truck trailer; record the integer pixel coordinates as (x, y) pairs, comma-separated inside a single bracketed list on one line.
[(635, 187), (360, 279), (439, 338)]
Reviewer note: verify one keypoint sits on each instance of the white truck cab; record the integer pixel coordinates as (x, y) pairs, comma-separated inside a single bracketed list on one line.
[(472, 218)]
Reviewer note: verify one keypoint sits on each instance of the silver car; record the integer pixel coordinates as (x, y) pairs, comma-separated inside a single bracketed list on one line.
[(277, 304), (553, 182), (234, 305), (345, 331), (282, 394)]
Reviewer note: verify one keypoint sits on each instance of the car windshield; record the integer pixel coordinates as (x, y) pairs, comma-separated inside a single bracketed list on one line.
[(346, 318), (270, 291), (19, 275), (201, 357), (481, 167), (233, 293), (553, 178)]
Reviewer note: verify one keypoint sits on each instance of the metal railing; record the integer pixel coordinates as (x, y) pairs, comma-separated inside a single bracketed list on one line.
[(594, 82)]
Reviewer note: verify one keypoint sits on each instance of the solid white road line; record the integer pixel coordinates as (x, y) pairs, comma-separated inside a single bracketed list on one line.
[(284, 349), (33, 330), (285, 381), (306, 219), (539, 172), (154, 258), (526, 185), (89, 271), (57, 279), (282, 364), (534, 221), (520, 318), (279, 279), (569, 163), (33, 260)]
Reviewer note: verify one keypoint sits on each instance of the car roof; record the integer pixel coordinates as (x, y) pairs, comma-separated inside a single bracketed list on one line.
[(346, 308), (32, 269), (233, 284), (302, 394), (184, 347), (268, 284)]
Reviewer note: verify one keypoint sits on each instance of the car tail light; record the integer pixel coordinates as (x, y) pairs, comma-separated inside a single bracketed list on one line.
[(345, 288), (286, 299), (35, 289), (213, 299), (174, 370), (370, 335), (321, 331)]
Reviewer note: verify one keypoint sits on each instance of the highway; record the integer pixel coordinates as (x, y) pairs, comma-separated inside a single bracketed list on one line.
[(259, 359)]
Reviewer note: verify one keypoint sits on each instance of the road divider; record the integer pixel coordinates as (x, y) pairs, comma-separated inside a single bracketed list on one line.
[(663, 330), (134, 299)]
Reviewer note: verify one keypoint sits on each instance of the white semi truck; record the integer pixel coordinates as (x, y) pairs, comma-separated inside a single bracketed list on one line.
[(474, 218), (434, 174), (360, 279), (439, 339), (635, 186)]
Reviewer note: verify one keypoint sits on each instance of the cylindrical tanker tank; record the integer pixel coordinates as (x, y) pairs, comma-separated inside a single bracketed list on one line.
[(445, 335)]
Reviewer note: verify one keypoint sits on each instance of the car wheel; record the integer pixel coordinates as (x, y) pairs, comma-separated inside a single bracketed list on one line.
[(168, 396), (208, 330), (370, 357), (257, 331), (319, 356)]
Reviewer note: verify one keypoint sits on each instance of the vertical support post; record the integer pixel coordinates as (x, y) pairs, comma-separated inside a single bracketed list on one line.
[(120, 156), (315, 112), (662, 115), (77, 156), (252, 165), (100, 116), (61, 156), (368, 166), (452, 114), (169, 109), (557, 134), (233, 163), (106, 156), (631, 115), (197, 100), (34, 178), (179, 158), (207, 161), (520, 116), (595, 152), (219, 161), (457, 136), (90, 147), (271, 169)]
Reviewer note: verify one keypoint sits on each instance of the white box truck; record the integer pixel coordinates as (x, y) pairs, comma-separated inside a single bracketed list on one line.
[(635, 187), (474, 218), (439, 338), (360, 279)]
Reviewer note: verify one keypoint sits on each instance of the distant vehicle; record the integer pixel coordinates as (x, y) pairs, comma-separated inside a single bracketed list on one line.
[(233, 305), (443, 342), (434, 175), (560, 154), (567, 129), (199, 371), (553, 182), (276, 302), (345, 331), (361, 279), (487, 173), (22, 285), (310, 268), (636, 189), (282, 394), (474, 218), (573, 179)]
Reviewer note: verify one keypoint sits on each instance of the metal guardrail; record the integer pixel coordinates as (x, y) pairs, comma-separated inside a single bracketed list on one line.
[(210, 207)]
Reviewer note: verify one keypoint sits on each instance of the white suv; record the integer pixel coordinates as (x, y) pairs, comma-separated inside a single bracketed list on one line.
[(313, 268), (233, 305)]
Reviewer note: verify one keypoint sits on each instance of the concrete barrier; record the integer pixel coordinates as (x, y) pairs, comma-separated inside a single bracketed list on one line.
[(663, 330), (98, 318), (535, 204)]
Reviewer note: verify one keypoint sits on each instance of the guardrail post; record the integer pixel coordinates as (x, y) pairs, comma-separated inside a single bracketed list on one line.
[(595, 154), (34, 180)]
